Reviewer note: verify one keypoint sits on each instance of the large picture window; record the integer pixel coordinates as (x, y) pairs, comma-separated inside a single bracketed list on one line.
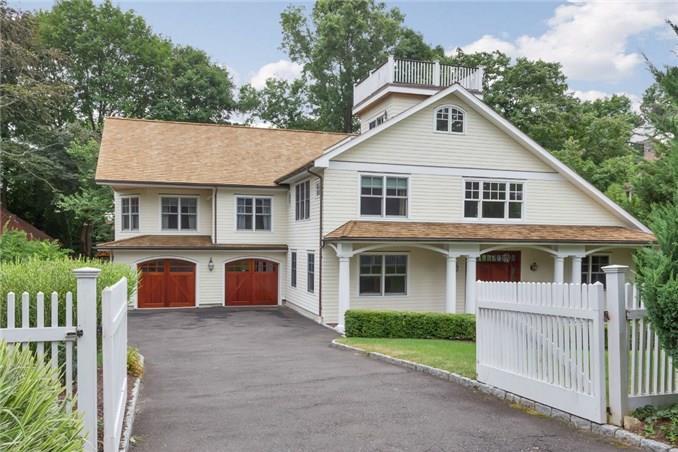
[(383, 274), (129, 210), (450, 119), (179, 213), (493, 199), (592, 268), (383, 196), (253, 214), (302, 201)]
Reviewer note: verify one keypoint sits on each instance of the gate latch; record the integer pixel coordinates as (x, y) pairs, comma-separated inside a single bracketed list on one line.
[(74, 335)]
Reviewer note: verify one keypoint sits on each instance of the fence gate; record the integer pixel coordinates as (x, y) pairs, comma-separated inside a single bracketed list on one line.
[(545, 342)]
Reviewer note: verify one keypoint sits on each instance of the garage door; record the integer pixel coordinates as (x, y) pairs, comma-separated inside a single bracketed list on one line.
[(251, 282), (166, 283)]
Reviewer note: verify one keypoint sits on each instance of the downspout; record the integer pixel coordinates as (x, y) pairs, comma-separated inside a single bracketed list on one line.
[(214, 214), (320, 245)]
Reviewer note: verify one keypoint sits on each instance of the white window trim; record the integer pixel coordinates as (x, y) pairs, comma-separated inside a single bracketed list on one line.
[(294, 205), (449, 132), (523, 213), (138, 213), (308, 253), (376, 116), (383, 274), (253, 198), (294, 264), (179, 228), (383, 196)]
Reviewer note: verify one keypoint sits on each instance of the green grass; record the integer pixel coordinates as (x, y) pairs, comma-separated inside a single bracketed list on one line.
[(454, 356)]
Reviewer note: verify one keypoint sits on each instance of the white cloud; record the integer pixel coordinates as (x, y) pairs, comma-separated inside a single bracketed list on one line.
[(282, 70), (590, 39), (594, 94)]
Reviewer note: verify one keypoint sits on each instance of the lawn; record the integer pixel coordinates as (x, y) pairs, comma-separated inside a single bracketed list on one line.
[(454, 356)]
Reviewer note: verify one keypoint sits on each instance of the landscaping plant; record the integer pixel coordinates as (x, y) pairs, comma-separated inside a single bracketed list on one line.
[(135, 365), (413, 325), (659, 422), (32, 409), (15, 246)]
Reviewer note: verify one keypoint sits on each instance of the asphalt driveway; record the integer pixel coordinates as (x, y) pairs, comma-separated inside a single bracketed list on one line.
[(266, 380)]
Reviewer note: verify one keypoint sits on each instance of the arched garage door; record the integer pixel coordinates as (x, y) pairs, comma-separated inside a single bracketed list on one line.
[(166, 283), (251, 282)]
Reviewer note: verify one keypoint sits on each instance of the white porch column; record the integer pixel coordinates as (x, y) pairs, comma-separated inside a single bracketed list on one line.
[(344, 253), (471, 284), (451, 284), (575, 270), (559, 269)]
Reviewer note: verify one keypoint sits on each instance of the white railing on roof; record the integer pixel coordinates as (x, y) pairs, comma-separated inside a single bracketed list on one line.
[(422, 73)]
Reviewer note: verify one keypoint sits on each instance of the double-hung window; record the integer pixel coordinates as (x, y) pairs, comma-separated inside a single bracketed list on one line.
[(383, 274), (310, 272), (129, 210), (253, 214), (383, 196), (302, 200), (493, 199), (592, 268), (179, 213), (449, 119), (293, 275)]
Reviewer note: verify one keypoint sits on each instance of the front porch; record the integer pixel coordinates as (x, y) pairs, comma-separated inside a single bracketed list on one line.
[(421, 274)]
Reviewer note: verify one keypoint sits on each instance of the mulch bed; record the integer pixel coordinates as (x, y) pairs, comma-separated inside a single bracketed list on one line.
[(100, 407)]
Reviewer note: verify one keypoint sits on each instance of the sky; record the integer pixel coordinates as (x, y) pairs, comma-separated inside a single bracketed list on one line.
[(599, 43)]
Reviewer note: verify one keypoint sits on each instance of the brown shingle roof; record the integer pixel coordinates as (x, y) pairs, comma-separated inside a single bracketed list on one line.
[(10, 221), (134, 150), (473, 232), (181, 242)]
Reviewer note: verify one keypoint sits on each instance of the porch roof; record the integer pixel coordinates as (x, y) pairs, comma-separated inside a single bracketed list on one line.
[(474, 232), (182, 242)]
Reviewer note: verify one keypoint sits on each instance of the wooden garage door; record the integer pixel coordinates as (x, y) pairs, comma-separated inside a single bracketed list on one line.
[(251, 282), (166, 283)]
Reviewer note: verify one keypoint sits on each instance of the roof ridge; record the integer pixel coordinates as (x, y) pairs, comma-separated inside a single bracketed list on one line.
[(235, 126)]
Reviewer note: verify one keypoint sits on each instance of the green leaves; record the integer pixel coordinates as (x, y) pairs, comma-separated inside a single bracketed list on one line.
[(413, 325)]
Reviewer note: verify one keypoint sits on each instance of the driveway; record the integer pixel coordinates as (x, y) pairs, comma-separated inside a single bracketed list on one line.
[(266, 380)]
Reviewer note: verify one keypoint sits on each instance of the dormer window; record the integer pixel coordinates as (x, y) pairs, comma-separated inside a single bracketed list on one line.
[(379, 120), (450, 118)]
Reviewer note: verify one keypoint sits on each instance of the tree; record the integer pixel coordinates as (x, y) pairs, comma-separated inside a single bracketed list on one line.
[(340, 44), (281, 103)]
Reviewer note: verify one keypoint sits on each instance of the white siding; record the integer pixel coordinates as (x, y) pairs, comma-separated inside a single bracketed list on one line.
[(226, 217), (303, 236), (210, 288), (392, 104), (149, 211)]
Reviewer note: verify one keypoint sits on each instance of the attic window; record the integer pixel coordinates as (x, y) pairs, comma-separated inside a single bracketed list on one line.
[(450, 119), (379, 120)]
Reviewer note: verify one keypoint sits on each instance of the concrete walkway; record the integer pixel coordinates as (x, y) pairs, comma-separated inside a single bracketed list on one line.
[(266, 380)]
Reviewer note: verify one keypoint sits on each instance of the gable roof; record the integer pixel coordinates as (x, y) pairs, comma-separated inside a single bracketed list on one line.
[(502, 124), (166, 152), (10, 221)]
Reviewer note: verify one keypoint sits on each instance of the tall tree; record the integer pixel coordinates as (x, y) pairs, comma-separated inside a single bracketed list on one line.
[(281, 103), (337, 45)]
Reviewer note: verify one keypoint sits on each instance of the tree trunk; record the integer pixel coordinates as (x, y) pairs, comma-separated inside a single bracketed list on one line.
[(86, 239)]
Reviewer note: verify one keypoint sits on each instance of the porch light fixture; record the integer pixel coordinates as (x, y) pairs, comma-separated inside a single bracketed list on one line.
[(534, 267), (210, 265)]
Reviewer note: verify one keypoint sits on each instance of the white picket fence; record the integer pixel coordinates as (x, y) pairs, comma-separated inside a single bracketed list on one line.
[(544, 341), (114, 337), (79, 343)]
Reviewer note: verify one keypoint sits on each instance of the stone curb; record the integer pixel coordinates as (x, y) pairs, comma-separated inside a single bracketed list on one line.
[(131, 411), (606, 430)]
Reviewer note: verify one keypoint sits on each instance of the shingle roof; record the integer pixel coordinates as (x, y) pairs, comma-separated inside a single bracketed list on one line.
[(134, 150), (10, 221), (182, 242), (473, 232)]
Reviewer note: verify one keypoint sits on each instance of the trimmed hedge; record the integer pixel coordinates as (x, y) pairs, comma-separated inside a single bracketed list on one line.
[(410, 325)]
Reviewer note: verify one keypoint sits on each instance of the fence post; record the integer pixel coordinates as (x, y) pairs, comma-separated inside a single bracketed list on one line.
[(617, 342), (87, 352)]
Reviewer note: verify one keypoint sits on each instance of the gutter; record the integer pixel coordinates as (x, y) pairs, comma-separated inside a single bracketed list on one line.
[(320, 244)]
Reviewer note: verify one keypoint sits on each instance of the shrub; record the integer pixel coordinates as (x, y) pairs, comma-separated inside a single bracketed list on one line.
[(135, 365), (36, 275), (32, 414), (659, 421), (410, 325), (15, 246), (658, 276)]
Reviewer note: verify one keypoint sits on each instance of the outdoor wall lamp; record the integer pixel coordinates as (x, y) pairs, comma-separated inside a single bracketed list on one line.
[(210, 265), (534, 267)]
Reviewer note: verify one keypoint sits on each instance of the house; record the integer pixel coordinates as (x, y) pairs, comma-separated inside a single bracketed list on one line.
[(436, 192), (12, 222)]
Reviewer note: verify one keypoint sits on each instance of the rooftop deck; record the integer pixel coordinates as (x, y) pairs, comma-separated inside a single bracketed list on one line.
[(423, 74)]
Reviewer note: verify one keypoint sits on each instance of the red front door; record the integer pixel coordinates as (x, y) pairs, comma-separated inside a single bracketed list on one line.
[(499, 266), (251, 282), (166, 283)]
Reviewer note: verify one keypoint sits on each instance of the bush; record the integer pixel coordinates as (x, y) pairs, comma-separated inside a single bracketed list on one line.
[(32, 413), (659, 422), (135, 366), (410, 325), (15, 246), (36, 275)]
